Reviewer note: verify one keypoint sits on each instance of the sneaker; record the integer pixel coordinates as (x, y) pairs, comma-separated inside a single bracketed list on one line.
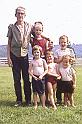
[(18, 103)]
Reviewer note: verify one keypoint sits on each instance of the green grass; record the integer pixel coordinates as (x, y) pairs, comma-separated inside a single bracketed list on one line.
[(27, 115)]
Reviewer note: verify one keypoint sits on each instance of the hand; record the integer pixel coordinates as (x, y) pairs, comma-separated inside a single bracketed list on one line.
[(74, 86), (35, 77), (9, 62), (59, 77), (40, 77)]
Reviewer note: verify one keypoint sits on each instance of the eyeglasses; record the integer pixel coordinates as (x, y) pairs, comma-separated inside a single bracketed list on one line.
[(20, 13)]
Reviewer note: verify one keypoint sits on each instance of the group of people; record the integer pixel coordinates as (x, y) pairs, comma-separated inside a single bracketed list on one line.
[(51, 71)]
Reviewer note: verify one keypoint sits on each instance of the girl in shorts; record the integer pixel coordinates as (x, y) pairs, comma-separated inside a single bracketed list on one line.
[(52, 77), (38, 69)]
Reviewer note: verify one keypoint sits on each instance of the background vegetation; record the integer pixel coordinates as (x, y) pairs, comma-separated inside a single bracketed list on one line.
[(27, 115)]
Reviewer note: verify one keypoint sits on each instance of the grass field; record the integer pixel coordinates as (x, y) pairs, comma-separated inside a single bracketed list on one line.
[(27, 115)]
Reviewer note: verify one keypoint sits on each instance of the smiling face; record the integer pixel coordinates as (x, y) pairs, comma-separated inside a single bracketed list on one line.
[(38, 29), (66, 61), (50, 57), (63, 41)]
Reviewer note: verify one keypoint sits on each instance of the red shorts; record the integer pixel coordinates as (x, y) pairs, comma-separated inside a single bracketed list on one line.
[(52, 79)]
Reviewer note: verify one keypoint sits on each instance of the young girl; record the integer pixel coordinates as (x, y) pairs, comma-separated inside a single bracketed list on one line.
[(38, 38), (68, 80), (52, 77), (38, 69)]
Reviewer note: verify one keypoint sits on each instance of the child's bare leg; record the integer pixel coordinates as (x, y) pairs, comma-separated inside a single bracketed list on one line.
[(35, 100), (43, 100), (68, 101), (54, 91), (71, 99), (65, 99), (51, 95)]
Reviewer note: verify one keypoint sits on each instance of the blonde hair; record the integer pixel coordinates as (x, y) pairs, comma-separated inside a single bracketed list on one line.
[(67, 57), (63, 37), (37, 47), (38, 22)]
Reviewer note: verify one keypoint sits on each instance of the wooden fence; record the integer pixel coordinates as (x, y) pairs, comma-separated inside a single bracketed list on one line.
[(4, 61)]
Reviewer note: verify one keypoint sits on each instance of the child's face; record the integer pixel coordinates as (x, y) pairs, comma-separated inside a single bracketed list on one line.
[(66, 62), (50, 44), (36, 54), (38, 30), (50, 58), (63, 43)]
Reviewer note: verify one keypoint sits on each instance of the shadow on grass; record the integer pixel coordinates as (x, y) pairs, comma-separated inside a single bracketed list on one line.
[(7, 103)]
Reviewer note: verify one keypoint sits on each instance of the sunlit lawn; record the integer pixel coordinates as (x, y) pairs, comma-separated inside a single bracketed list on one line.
[(27, 115)]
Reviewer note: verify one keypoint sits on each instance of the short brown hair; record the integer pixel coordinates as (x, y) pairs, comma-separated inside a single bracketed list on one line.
[(63, 37), (20, 8), (37, 47), (49, 52)]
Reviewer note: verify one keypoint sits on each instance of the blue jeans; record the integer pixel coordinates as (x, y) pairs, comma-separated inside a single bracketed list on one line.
[(20, 65)]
